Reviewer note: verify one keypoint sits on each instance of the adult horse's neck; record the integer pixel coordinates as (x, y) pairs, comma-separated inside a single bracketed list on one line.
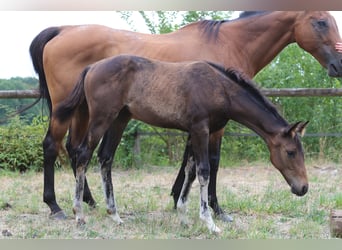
[(257, 39)]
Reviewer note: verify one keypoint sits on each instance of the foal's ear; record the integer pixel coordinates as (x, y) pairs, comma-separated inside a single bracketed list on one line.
[(301, 128), (298, 127)]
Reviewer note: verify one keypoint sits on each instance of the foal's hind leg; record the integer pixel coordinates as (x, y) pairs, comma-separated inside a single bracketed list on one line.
[(76, 134), (83, 156), (106, 155)]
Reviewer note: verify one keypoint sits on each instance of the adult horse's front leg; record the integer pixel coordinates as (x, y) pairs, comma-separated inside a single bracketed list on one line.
[(215, 141)]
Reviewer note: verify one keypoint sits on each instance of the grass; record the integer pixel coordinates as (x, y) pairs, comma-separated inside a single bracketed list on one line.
[(256, 196)]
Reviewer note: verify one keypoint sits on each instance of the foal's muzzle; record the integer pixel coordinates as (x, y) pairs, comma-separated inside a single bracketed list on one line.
[(300, 191)]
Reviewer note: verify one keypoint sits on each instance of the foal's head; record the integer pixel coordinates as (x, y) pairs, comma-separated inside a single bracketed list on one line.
[(288, 157)]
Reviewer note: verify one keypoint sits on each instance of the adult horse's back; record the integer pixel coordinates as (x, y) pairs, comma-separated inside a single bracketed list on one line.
[(250, 43)]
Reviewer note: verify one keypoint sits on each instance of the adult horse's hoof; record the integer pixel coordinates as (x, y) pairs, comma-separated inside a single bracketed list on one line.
[(60, 215), (92, 205)]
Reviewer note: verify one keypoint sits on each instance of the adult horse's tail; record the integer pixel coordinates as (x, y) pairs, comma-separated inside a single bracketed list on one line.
[(67, 108), (36, 52)]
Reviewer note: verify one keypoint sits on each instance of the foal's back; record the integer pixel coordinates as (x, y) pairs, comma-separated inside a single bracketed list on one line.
[(159, 93)]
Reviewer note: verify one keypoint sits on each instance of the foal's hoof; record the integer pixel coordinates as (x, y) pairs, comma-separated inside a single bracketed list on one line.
[(60, 215), (224, 217), (80, 222)]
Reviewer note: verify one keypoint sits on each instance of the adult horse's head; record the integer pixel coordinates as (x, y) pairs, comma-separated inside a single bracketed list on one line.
[(317, 33), (288, 157)]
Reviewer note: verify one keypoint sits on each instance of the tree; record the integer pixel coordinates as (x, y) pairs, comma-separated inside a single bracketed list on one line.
[(161, 22)]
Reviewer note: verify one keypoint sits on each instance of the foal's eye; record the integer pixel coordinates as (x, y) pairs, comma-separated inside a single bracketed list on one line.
[(291, 154)]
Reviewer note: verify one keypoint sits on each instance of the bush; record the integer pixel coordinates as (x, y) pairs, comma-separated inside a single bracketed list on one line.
[(21, 145)]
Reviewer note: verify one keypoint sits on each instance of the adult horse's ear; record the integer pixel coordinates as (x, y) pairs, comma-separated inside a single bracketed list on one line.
[(293, 129)]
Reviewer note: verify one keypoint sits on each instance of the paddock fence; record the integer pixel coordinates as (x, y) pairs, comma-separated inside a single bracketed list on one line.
[(282, 92)]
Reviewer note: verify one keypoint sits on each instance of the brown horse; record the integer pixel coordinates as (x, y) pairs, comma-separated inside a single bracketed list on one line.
[(248, 44), (197, 97)]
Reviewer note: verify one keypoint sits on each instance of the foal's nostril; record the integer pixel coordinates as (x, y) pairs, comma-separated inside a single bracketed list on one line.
[(305, 189)]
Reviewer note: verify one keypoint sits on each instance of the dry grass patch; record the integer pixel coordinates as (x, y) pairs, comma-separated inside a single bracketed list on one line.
[(257, 196)]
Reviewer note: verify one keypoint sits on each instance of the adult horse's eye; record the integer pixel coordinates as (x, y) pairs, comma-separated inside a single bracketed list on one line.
[(291, 154), (322, 24)]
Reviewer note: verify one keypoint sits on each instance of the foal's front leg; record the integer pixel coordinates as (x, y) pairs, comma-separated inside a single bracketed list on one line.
[(200, 140)]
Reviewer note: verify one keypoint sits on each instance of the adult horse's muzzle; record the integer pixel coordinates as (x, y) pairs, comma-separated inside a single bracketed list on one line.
[(335, 67), (334, 61)]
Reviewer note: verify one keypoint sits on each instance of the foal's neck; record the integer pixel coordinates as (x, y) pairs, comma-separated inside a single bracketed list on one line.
[(256, 113)]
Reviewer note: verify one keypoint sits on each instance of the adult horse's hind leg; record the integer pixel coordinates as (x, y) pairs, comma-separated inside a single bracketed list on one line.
[(106, 155), (51, 145)]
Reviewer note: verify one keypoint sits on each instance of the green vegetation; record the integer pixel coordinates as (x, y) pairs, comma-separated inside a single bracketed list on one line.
[(9, 106), (144, 145), (254, 193)]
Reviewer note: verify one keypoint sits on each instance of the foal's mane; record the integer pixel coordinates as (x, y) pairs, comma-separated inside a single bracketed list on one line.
[(242, 80), (211, 28)]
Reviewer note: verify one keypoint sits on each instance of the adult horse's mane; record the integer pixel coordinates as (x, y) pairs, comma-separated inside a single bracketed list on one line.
[(211, 28), (247, 84)]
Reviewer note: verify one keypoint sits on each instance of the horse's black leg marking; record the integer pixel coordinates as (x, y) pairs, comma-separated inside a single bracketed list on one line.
[(87, 197), (50, 154), (214, 159), (177, 186)]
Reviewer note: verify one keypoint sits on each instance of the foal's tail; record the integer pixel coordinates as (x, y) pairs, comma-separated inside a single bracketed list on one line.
[(68, 107)]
